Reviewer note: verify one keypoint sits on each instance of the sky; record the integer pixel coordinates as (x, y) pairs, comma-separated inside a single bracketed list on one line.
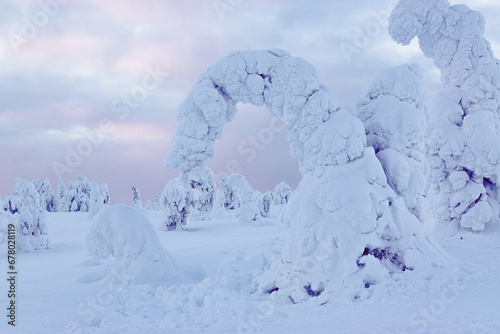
[(92, 87)]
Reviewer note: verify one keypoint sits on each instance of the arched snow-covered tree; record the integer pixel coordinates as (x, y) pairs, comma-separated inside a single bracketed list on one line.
[(393, 113), (349, 232), (464, 137)]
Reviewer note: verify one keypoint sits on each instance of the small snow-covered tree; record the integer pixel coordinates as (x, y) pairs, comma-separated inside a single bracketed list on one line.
[(237, 190), (31, 227), (219, 203), (61, 189), (47, 198), (464, 128), (77, 195), (149, 205), (137, 199), (157, 204), (393, 113), (201, 181), (281, 193), (99, 197), (176, 201), (264, 204), (128, 236)]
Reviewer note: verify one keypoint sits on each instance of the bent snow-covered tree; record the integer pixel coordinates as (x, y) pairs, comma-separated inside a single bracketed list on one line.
[(464, 138), (393, 113), (348, 227)]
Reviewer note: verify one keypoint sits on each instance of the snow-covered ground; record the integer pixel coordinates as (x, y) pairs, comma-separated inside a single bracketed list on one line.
[(65, 290)]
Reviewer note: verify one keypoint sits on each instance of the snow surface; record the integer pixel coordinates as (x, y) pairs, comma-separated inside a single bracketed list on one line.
[(65, 290)]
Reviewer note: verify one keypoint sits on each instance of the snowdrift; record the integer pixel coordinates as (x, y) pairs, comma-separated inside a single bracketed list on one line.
[(126, 234)]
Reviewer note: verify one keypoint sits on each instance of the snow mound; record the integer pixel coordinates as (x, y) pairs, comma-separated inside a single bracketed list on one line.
[(126, 234)]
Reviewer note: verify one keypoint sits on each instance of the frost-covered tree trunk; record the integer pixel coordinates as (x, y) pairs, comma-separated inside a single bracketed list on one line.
[(464, 137), (137, 199), (393, 113), (349, 232)]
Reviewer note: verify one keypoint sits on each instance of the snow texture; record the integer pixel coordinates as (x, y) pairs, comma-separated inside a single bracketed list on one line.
[(348, 229), (464, 137), (24, 205), (393, 113), (126, 234)]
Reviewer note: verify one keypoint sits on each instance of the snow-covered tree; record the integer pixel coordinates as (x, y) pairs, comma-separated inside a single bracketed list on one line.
[(176, 202), (61, 188), (99, 197), (201, 181), (464, 137), (47, 198), (237, 190), (77, 195), (128, 236), (393, 113), (349, 232), (149, 205), (264, 204), (281, 193), (157, 204), (219, 203), (31, 227), (137, 199)]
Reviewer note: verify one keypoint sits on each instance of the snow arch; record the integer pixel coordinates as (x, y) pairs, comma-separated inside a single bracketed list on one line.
[(290, 89), (347, 226)]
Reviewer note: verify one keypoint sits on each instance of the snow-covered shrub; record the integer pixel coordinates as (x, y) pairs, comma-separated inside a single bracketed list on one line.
[(393, 113), (237, 190), (463, 139), (30, 218), (202, 184), (176, 201), (149, 205), (157, 205), (128, 236), (47, 198), (219, 203), (137, 199), (349, 232), (249, 213), (281, 193)]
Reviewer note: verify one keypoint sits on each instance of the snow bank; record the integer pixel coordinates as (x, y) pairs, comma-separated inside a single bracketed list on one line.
[(393, 113), (464, 137), (126, 234)]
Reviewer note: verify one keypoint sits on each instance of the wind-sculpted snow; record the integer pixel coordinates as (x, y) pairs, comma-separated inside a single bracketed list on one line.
[(126, 234), (464, 139), (348, 229), (393, 112)]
